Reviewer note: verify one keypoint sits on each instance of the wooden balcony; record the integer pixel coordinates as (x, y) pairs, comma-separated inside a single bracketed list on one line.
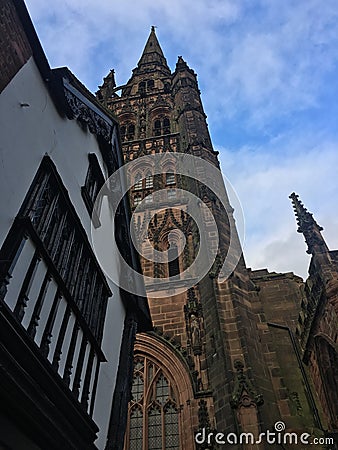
[(53, 299)]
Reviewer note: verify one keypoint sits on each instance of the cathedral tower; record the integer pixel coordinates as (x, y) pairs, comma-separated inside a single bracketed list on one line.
[(212, 362)]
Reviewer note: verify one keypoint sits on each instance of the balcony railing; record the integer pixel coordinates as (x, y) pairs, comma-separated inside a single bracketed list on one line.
[(51, 284)]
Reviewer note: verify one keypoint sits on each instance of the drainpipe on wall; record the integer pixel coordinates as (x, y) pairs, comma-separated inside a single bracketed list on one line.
[(311, 400)]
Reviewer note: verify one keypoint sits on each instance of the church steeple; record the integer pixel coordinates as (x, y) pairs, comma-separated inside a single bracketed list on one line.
[(152, 56), (309, 227)]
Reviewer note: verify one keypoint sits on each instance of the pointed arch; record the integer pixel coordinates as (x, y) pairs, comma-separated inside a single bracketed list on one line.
[(149, 183), (165, 403), (138, 181)]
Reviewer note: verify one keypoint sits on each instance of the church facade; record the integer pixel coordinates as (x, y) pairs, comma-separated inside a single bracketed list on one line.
[(234, 350)]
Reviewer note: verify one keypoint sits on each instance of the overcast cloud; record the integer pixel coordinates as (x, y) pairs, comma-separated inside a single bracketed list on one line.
[(269, 80)]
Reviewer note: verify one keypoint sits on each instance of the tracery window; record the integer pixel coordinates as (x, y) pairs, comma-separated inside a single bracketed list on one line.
[(153, 413), (127, 131), (161, 126), (143, 183)]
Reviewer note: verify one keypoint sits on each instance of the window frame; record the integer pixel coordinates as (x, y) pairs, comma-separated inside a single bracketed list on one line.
[(151, 374), (90, 191)]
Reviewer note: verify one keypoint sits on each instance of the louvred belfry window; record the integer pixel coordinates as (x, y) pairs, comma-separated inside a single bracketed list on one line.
[(149, 181), (127, 131), (161, 126), (153, 422)]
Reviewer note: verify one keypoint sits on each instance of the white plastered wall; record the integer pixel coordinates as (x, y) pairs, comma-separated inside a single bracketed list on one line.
[(30, 128)]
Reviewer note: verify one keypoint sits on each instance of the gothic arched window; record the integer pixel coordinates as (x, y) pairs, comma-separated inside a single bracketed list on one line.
[(138, 182), (123, 130), (157, 128), (166, 125), (161, 126), (153, 413), (131, 132), (127, 131), (149, 181), (173, 264)]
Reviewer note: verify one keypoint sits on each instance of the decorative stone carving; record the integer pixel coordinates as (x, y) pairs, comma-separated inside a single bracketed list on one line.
[(87, 117), (244, 393)]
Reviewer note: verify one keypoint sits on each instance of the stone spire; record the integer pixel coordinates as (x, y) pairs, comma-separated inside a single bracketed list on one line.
[(309, 227), (152, 56)]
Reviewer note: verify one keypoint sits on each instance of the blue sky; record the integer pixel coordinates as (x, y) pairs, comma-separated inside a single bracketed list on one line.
[(268, 73)]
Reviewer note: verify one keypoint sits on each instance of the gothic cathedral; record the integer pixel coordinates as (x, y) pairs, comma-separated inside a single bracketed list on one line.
[(237, 353)]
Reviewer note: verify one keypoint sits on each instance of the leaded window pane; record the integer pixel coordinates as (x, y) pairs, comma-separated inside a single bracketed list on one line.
[(136, 430), (154, 429), (171, 428), (138, 364), (156, 411), (137, 388), (162, 390)]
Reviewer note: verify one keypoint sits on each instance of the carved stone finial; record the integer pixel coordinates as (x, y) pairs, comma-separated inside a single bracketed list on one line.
[(309, 227)]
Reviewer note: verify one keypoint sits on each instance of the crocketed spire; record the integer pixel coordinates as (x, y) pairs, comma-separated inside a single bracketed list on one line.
[(309, 227)]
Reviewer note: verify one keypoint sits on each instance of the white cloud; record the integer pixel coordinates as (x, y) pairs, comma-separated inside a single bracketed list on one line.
[(268, 74), (263, 182)]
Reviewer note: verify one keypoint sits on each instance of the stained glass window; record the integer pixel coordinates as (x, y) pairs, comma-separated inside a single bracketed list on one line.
[(171, 427), (162, 390), (153, 413), (137, 388), (136, 429), (155, 428)]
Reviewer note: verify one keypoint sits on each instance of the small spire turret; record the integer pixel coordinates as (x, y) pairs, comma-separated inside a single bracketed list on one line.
[(106, 90), (309, 227), (152, 55)]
